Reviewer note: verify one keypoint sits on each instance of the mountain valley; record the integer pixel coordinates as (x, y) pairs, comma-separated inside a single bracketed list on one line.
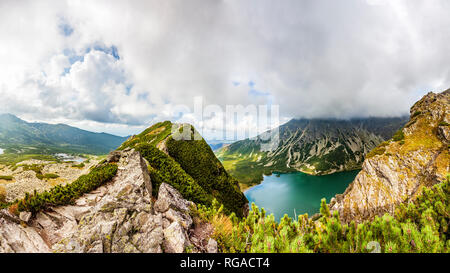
[(317, 147)]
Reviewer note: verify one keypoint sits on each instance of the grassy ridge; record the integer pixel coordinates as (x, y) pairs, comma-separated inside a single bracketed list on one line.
[(152, 135), (163, 169), (190, 166), (198, 160)]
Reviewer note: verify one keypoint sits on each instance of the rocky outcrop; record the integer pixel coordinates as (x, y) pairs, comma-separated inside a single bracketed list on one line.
[(118, 217), (397, 170)]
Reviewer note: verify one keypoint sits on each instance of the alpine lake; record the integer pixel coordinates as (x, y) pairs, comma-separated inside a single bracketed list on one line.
[(297, 193)]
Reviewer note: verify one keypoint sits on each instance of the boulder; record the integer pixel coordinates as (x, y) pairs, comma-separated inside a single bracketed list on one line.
[(175, 239), (211, 247), (113, 156), (25, 216), (176, 216), (169, 197)]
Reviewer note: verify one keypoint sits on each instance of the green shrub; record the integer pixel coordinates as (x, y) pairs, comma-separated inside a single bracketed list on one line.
[(64, 195), (50, 176), (399, 135), (81, 165), (443, 123), (376, 151), (2, 195), (6, 177), (197, 159), (37, 168), (379, 150), (152, 135), (416, 114), (419, 226), (163, 169)]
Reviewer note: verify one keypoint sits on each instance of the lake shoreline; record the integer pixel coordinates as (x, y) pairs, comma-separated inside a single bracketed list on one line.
[(248, 187), (297, 193)]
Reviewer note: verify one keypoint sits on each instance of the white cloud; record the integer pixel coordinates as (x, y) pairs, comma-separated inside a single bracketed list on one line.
[(313, 58)]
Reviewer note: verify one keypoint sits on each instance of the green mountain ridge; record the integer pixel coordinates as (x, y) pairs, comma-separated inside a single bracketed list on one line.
[(188, 165), (19, 136), (313, 146)]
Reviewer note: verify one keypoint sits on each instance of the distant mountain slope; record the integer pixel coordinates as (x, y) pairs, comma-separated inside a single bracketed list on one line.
[(216, 145), (188, 165), (19, 136), (314, 146)]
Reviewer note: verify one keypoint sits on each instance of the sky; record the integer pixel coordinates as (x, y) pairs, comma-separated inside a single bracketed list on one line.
[(120, 66)]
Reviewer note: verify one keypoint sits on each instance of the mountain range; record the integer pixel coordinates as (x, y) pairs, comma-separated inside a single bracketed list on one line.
[(313, 146), (158, 193), (19, 136)]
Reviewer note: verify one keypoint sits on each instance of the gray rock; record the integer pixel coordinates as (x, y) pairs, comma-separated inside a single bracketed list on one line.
[(332, 201), (14, 238), (211, 247), (175, 239), (175, 216), (169, 197), (25, 216), (113, 156)]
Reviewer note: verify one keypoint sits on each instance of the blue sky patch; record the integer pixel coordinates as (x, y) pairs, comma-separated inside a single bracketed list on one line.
[(112, 50), (66, 71), (65, 29), (73, 58), (128, 89)]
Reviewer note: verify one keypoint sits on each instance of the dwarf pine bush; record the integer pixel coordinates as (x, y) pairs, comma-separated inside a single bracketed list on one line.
[(419, 226), (64, 195), (164, 169), (198, 160)]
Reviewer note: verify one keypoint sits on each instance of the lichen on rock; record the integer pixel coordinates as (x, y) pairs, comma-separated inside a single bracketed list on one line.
[(417, 158)]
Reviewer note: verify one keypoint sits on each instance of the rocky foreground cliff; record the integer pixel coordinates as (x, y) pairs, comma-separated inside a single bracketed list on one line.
[(398, 169), (120, 216)]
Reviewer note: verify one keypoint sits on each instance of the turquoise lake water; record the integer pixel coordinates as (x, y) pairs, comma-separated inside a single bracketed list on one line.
[(297, 193)]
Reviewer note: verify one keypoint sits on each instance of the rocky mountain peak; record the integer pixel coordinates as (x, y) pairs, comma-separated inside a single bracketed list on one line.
[(119, 217), (397, 170)]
